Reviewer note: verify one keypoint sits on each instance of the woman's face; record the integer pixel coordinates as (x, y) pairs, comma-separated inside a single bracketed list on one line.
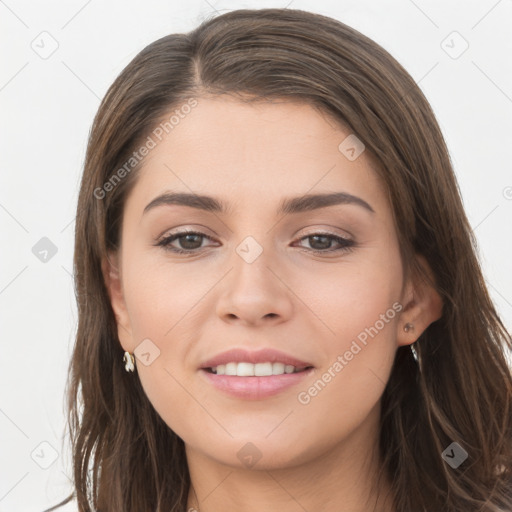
[(257, 278)]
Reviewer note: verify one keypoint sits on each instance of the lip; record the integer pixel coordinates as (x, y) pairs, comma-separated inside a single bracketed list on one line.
[(265, 355), (254, 388)]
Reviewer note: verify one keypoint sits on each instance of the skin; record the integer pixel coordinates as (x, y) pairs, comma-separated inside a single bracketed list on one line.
[(315, 456)]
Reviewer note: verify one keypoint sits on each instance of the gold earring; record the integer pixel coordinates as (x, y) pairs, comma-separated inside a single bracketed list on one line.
[(408, 327), (129, 362)]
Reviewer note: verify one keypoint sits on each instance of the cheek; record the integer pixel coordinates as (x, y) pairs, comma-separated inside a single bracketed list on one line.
[(357, 360), (359, 306), (163, 302), (162, 298), (354, 296)]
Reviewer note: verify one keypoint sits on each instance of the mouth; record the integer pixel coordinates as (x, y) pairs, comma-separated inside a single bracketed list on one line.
[(254, 375), (260, 381), (246, 369)]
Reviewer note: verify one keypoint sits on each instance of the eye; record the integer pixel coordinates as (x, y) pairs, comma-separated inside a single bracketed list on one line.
[(322, 242), (190, 241)]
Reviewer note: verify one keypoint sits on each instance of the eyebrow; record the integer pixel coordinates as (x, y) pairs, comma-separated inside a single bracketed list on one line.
[(291, 205)]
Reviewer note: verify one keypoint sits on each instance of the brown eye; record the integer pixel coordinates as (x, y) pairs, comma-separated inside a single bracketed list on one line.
[(189, 242), (323, 242)]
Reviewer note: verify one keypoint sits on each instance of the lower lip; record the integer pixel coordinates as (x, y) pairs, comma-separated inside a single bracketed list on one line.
[(255, 388)]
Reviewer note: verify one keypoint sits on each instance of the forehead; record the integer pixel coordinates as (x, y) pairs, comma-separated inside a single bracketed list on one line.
[(256, 153)]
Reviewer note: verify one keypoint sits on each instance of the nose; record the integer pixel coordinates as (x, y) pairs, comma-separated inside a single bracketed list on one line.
[(254, 293)]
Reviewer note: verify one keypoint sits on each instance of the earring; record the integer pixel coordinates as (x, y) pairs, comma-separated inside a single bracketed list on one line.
[(129, 362), (414, 353), (408, 327)]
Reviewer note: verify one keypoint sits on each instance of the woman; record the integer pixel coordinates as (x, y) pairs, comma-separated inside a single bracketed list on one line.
[(280, 305)]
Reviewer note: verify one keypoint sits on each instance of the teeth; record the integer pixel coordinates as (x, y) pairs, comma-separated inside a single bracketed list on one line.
[(254, 370)]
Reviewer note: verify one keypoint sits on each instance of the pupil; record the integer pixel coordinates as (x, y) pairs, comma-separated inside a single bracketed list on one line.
[(187, 240), (322, 246)]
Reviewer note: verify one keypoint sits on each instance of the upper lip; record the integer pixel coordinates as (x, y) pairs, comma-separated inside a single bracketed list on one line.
[(239, 355)]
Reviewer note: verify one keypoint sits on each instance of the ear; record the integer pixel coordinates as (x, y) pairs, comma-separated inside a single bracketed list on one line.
[(422, 305), (111, 269)]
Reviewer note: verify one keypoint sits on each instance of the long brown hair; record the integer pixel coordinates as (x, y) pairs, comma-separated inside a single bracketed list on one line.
[(125, 457)]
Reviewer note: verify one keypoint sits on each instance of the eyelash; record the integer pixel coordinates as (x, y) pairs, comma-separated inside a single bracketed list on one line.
[(347, 245)]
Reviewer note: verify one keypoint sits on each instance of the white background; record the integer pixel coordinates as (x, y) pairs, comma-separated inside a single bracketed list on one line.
[(47, 109)]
